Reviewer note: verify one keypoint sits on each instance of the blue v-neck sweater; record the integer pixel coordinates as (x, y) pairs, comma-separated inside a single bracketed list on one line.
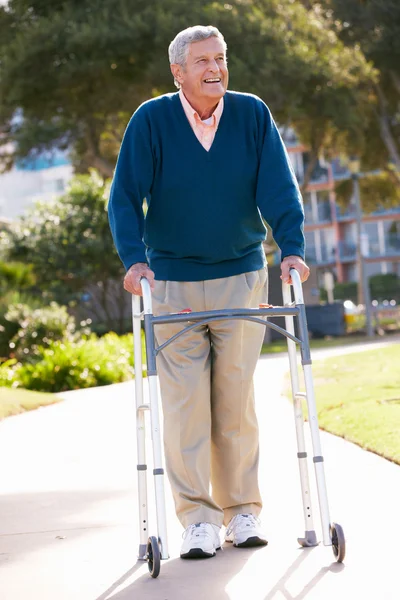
[(203, 219)]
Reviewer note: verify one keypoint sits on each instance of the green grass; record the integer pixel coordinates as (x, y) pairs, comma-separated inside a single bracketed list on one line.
[(281, 345), (358, 398), (16, 401)]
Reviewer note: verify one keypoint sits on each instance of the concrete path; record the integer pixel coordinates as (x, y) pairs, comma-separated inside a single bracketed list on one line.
[(68, 520)]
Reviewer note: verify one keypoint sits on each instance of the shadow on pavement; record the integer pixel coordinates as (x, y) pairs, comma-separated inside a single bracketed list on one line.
[(280, 585), (185, 579), (219, 578)]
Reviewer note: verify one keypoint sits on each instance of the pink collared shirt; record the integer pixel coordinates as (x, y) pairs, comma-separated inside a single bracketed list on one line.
[(204, 131)]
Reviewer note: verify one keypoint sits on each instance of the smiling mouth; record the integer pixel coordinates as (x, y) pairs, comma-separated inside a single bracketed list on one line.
[(213, 80)]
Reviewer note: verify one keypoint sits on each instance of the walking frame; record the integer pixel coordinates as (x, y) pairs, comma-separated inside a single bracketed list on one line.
[(154, 548)]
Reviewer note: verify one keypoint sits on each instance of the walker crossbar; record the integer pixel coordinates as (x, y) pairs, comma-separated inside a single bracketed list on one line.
[(218, 315)]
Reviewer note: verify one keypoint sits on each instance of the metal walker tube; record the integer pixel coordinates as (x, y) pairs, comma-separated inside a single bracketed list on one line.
[(310, 538), (312, 411), (158, 470), (141, 407)]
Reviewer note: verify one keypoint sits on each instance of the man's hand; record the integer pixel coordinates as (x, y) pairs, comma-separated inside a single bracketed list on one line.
[(134, 275), (294, 262)]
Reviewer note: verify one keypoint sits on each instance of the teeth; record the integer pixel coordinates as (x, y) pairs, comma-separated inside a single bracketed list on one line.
[(211, 80)]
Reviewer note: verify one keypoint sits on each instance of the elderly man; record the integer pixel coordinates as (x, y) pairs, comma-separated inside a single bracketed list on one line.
[(210, 163)]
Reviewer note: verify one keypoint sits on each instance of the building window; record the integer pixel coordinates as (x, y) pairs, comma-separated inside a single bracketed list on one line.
[(323, 207), (308, 211)]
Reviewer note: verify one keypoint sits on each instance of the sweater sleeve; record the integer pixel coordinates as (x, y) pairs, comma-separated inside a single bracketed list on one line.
[(132, 183), (278, 195)]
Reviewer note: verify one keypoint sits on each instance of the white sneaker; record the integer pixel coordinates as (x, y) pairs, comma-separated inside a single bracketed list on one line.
[(245, 531), (200, 540)]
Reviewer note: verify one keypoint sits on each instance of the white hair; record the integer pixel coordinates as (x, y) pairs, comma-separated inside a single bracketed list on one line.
[(179, 47)]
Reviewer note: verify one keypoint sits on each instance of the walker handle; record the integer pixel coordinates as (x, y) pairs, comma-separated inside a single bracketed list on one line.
[(297, 287), (146, 293)]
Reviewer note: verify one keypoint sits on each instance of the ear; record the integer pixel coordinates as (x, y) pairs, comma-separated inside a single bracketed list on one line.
[(177, 72)]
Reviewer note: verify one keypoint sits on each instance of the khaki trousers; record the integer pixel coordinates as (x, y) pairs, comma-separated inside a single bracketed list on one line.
[(206, 380)]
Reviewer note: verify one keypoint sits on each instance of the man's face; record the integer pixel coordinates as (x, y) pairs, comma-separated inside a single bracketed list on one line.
[(205, 75)]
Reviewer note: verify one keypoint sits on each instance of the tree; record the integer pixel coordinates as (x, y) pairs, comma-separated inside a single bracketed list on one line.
[(77, 70), (374, 26), (69, 245)]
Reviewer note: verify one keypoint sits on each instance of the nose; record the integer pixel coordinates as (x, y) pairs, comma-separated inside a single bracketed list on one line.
[(213, 66)]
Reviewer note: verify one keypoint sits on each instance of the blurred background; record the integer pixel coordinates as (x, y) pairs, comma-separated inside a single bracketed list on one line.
[(72, 73)]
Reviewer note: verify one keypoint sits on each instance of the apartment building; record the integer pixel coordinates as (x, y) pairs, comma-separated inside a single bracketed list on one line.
[(330, 231), (44, 178)]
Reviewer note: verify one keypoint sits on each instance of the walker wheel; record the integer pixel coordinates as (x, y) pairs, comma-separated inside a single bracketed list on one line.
[(153, 556), (338, 542)]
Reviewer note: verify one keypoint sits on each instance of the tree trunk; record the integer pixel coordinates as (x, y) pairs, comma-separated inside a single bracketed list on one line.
[(103, 166), (396, 81), (384, 125), (93, 157)]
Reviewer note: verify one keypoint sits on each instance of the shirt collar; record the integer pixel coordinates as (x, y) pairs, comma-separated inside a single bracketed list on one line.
[(193, 115)]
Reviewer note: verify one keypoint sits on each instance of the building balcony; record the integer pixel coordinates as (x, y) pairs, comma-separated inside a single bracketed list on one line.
[(323, 256), (321, 216), (391, 247), (346, 214), (347, 251)]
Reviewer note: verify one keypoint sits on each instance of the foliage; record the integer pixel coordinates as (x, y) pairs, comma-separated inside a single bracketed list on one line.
[(9, 328), (377, 191), (73, 365), (374, 26), (77, 70), (15, 276), (382, 287), (345, 291), (38, 328), (69, 245), (385, 287)]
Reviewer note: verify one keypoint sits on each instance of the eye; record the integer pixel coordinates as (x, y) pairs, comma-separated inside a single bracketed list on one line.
[(221, 58)]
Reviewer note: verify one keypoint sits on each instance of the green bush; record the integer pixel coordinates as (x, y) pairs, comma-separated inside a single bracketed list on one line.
[(346, 291), (385, 287), (9, 328), (382, 287), (71, 365), (38, 328), (341, 291), (16, 275)]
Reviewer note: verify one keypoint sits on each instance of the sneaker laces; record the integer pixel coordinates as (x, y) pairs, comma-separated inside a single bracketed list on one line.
[(196, 530), (240, 522)]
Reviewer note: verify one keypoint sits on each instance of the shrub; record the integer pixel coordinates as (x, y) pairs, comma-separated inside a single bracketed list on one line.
[(72, 365), (16, 275), (385, 287), (38, 328), (9, 328), (346, 291)]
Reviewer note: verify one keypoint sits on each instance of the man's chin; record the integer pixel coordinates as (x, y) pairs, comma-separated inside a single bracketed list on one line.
[(216, 91)]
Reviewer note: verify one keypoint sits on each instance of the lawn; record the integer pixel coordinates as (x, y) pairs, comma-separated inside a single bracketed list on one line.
[(15, 401), (358, 398), (281, 344)]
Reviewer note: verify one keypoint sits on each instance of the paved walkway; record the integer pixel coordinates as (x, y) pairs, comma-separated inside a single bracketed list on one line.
[(68, 525)]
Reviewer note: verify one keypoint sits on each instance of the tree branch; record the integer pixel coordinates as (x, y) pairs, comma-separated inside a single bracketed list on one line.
[(93, 156)]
